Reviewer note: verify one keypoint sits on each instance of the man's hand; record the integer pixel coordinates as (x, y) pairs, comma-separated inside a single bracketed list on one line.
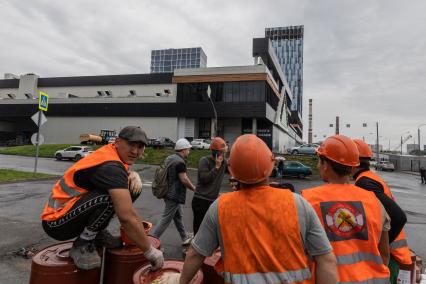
[(169, 278), (218, 161), (155, 256), (135, 185)]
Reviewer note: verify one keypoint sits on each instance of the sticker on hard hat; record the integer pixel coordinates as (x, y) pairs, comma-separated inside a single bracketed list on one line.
[(344, 220)]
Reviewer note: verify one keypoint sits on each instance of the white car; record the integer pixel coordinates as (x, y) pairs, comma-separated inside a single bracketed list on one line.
[(200, 144), (73, 153)]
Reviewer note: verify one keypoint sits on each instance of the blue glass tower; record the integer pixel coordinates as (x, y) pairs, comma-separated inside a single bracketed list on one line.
[(167, 60), (288, 45)]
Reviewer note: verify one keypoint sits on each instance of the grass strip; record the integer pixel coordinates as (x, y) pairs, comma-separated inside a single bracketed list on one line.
[(7, 175)]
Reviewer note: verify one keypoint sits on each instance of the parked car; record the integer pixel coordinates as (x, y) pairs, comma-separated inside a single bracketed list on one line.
[(73, 153), (309, 149), (294, 168), (200, 144), (163, 142), (150, 142), (385, 166)]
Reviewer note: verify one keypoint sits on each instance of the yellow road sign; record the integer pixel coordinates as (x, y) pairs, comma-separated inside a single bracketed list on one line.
[(43, 101)]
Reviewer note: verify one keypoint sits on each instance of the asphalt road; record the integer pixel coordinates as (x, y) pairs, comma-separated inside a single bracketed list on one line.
[(21, 204)]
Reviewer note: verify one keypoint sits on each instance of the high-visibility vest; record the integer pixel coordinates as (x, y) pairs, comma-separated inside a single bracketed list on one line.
[(65, 192), (261, 237), (399, 247), (352, 218)]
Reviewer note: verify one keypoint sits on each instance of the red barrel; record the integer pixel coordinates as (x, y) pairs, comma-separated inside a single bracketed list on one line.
[(126, 240), (121, 263), (53, 265), (210, 274), (144, 275)]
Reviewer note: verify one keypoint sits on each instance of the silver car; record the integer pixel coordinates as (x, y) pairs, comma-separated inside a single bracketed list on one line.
[(385, 166), (73, 153), (307, 149)]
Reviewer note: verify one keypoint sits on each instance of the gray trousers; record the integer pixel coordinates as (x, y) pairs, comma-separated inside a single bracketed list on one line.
[(172, 211)]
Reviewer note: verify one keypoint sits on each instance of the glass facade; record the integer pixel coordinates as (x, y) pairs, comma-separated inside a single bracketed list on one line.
[(288, 45), (232, 92), (167, 60)]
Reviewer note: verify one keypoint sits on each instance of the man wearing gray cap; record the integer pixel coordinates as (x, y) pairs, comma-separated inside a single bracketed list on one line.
[(84, 200)]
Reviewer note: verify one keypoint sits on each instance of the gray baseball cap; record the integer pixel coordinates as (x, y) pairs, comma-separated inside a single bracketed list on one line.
[(133, 134)]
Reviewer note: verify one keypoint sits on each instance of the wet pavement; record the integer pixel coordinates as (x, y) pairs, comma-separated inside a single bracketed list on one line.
[(21, 204)]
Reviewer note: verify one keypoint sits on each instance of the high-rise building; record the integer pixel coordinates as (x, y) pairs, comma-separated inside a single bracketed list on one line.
[(167, 60), (288, 45)]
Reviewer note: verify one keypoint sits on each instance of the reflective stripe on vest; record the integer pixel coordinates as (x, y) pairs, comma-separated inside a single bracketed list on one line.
[(369, 281), (54, 203), (269, 277), (358, 257), (399, 244)]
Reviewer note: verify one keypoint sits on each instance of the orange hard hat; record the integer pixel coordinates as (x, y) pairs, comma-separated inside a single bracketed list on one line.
[(363, 149), (218, 144), (340, 149), (250, 160)]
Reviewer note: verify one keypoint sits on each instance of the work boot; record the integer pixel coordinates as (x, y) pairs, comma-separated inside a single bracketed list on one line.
[(105, 239), (84, 254)]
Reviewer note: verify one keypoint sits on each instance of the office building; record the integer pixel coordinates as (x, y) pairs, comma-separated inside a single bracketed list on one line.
[(288, 45), (167, 60)]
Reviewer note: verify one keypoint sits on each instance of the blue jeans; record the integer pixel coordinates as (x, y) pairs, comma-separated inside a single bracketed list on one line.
[(172, 211)]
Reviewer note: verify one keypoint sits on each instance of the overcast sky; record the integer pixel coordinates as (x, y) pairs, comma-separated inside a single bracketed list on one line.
[(363, 60)]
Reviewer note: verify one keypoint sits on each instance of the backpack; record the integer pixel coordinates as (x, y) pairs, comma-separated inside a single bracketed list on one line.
[(160, 184)]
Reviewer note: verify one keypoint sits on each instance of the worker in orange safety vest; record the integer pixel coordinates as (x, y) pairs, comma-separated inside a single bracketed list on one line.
[(369, 180), (355, 221), (84, 200), (255, 227)]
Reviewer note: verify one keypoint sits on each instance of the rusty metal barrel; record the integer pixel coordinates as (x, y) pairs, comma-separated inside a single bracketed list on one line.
[(53, 265), (121, 263), (144, 275), (211, 276)]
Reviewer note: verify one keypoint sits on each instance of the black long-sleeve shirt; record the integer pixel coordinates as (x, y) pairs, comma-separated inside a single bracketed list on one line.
[(397, 215)]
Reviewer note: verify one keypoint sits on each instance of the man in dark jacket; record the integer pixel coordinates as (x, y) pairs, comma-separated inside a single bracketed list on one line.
[(211, 170), (423, 174), (178, 182)]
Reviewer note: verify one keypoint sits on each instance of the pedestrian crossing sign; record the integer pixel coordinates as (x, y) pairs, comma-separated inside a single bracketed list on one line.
[(43, 100)]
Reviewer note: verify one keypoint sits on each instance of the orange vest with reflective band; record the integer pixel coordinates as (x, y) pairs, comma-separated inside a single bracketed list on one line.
[(399, 247), (352, 218), (65, 192), (261, 237)]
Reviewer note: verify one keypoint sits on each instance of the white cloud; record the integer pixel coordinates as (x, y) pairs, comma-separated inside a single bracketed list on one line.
[(362, 61)]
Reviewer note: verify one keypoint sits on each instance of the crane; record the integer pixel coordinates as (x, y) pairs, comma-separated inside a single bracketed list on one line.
[(402, 142)]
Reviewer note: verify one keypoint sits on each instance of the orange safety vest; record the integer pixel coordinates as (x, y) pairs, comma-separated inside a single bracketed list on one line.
[(399, 247), (261, 237), (352, 218), (65, 192)]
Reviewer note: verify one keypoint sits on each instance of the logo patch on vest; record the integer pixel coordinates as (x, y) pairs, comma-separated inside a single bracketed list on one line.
[(344, 220)]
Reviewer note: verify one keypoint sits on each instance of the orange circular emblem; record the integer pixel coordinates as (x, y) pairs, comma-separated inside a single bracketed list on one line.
[(344, 220)]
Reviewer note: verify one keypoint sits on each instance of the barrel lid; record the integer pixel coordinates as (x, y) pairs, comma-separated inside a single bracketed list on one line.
[(144, 275), (134, 250), (55, 257)]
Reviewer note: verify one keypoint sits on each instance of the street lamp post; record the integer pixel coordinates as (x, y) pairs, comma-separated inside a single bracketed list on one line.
[(209, 91)]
